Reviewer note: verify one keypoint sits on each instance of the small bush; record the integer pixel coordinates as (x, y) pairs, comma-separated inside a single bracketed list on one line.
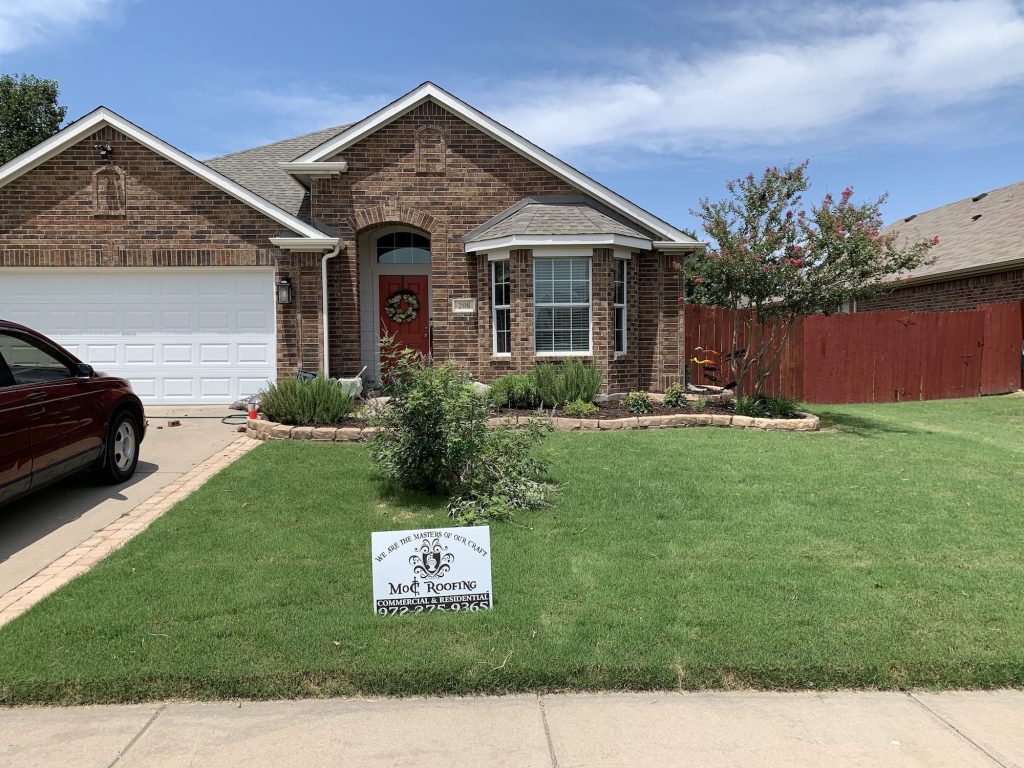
[(577, 409), (675, 397), (748, 405), (780, 406), (432, 436), (514, 391), (558, 385), (315, 402), (639, 403)]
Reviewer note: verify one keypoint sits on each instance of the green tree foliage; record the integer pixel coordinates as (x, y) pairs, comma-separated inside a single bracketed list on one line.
[(29, 113), (777, 260)]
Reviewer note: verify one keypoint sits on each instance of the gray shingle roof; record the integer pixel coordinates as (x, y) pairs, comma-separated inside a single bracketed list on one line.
[(555, 215), (257, 169), (979, 233)]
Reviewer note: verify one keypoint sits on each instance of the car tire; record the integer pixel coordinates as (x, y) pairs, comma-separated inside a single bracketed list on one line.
[(121, 452)]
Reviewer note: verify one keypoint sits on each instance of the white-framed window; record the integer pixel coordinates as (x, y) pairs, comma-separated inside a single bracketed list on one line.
[(501, 307), (620, 274), (561, 306)]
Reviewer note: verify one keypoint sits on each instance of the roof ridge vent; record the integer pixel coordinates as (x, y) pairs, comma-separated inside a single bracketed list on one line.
[(911, 217), (979, 197)]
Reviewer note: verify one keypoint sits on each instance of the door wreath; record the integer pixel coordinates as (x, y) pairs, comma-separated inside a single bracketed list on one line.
[(395, 303)]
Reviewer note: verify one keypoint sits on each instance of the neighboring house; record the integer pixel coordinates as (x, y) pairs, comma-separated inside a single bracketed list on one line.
[(429, 221), (979, 258)]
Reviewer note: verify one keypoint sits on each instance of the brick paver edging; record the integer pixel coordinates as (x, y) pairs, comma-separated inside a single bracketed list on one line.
[(260, 429), (80, 559)]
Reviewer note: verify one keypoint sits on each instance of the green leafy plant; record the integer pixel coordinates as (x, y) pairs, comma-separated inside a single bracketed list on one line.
[(514, 391), (639, 403), (558, 385), (433, 436), (748, 405), (780, 406), (675, 397), (577, 409), (315, 402)]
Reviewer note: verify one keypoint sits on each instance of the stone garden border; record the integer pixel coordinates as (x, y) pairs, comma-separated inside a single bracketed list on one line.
[(808, 422)]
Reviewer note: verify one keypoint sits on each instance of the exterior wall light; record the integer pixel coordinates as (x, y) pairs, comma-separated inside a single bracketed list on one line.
[(284, 290)]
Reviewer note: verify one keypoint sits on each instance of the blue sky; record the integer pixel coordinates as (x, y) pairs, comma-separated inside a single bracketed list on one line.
[(661, 101)]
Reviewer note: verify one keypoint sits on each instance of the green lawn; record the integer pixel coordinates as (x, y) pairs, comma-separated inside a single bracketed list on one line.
[(887, 551)]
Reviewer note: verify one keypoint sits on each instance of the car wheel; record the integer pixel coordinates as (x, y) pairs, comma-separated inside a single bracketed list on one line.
[(121, 453)]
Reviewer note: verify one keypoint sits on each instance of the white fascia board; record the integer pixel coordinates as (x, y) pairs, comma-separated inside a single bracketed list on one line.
[(305, 243), (668, 246), (315, 170), (540, 241), (511, 139), (102, 117)]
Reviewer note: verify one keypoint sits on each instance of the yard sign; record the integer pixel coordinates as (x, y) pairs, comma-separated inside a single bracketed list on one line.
[(441, 569)]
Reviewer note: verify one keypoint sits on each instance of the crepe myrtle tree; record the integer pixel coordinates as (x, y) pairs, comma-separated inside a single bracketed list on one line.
[(771, 261)]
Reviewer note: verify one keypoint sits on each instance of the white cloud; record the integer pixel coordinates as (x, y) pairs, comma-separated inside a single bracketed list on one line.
[(27, 22), (800, 71)]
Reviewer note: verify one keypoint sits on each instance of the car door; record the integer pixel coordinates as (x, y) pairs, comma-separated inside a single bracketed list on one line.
[(63, 412), (15, 440)]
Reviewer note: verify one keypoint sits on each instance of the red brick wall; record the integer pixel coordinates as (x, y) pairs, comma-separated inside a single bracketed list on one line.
[(389, 182), (966, 293), (172, 218)]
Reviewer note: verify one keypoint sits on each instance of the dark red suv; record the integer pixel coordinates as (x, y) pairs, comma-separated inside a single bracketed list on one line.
[(58, 416)]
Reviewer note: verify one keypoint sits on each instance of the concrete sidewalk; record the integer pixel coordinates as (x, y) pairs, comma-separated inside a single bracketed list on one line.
[(748, 729)]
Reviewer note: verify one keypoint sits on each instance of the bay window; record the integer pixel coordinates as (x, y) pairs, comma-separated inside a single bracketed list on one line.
[(620, 272), (561, 298), (501, 307)]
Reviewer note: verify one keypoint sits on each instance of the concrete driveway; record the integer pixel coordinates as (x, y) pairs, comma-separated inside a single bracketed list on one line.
[(39, 529)]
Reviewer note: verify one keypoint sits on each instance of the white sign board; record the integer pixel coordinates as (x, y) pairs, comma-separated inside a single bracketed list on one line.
[(441, 569)]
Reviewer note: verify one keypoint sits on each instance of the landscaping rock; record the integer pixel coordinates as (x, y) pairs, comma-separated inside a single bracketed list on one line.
[(263, 429), (302, 433), (367, 432), (565, 425), (324, 433), (280, 432), (347, 434), (721, 420), (590, 424), (250, 432), (652, 422), (742, 421)]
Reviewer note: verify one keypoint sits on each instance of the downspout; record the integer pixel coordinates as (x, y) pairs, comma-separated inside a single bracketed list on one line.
[(323, 306)]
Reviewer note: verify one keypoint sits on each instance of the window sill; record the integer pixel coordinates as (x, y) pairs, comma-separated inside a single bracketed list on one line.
[(501, 355), (563, 354)]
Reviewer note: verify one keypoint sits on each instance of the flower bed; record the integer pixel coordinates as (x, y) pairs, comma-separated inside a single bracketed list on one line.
[(261, 429)]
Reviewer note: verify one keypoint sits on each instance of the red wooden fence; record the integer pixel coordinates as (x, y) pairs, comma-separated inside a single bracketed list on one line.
[(875, 357)]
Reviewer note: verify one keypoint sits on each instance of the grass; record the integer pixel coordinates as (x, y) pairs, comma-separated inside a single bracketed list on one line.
[(885, 552)]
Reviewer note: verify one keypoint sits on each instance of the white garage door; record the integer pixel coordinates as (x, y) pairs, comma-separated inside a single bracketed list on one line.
[(181, 336)]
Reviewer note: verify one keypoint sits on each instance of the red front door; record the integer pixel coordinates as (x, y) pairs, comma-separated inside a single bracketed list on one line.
[(405, 310)]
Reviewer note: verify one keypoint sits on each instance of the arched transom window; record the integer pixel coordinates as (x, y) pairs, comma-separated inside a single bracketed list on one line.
[(403, 248)]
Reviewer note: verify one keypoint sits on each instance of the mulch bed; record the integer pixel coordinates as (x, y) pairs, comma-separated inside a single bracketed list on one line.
[(616, 409)]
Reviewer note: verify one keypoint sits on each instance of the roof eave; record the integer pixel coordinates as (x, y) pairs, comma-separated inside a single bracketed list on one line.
[(546, 241), (957, 274)]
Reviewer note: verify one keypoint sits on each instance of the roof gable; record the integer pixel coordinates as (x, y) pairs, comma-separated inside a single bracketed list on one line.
[(431, 92), (102, 117)]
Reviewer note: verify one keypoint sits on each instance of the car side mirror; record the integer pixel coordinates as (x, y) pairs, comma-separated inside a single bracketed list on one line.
[(83, 371)]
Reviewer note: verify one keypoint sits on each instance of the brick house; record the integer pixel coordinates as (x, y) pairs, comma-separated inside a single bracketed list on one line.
[(979, 258), (427, 220)]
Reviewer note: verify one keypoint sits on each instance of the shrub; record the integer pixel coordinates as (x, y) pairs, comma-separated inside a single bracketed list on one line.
[(315, 402), (558, 385), (432, 436), (639, 403), (780, 406), (748, 405), (577, 409), (514, 391), (675, 397)]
